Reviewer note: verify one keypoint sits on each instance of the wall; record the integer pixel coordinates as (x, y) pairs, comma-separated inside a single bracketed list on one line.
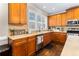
[(3, 23), (36, 11)]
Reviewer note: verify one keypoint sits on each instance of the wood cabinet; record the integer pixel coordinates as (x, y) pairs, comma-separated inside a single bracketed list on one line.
[(17, 13), (76, 13), (31, 45), (23, 17), (47, 39), (24, 46), (14, 13), (70, 14), (58, 20), (59, 37), (27, 46), (63, 19), (19, 47), (52, 20), (54, 37), (73, 13)]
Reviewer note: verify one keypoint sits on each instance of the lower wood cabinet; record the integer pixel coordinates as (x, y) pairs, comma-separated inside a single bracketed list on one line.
[(19, 47), (27, 46), (24, 46), (62, 38), (46, 39), (31, 45), (59, 37)]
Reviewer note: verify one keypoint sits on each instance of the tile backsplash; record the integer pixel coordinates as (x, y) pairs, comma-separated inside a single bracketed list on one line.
[(17, 28)]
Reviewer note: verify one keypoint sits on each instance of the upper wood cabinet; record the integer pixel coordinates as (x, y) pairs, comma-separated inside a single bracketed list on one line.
[(14, 13), (73, 13), (55, 20), (63, 19), (17, 13), (70, 14), (23, 14), (58, 20), (76, 13), (52, 20)]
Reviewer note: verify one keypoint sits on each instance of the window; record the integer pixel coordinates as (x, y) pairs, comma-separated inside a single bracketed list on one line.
[(38, 18), (31, 16)]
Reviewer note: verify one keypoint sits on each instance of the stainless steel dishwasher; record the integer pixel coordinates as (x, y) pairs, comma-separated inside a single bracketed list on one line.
[(4, 46), (39, 42)]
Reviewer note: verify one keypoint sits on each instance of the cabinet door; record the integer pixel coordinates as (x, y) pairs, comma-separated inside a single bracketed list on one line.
[(59, 37), (44, 40), (31, 46), (47, 39), (62, 38), (76, 13), (53, 35), (63, 19), (52, 20), (14, 12), (56, 34), (58, 19), (70, 14), (23, 11), (19, 47)]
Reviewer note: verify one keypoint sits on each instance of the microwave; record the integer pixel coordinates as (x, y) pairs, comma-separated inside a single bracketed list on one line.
[(72, 22)]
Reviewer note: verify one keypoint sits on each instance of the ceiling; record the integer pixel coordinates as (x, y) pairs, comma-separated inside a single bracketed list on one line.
[(54, 8)]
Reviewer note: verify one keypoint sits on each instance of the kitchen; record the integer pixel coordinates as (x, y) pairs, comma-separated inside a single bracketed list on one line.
[(39, 29)]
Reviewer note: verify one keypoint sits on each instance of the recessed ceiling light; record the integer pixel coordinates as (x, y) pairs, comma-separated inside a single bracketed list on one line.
[(44, 6), (64, 11), (53, 8)]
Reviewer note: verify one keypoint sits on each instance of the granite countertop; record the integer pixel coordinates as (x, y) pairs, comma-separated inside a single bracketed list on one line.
[(27, 35), (71, 47)]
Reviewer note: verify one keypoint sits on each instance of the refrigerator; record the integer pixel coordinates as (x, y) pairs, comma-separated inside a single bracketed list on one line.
[(3, 27)]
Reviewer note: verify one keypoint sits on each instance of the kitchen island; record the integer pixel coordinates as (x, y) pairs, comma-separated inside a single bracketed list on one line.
[(71, 47)]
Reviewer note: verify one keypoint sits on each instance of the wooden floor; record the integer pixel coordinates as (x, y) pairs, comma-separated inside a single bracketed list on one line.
[(52, 49)]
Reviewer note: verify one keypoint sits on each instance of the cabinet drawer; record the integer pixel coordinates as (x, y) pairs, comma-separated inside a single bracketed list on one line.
[(19, 41), (31, 38)]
